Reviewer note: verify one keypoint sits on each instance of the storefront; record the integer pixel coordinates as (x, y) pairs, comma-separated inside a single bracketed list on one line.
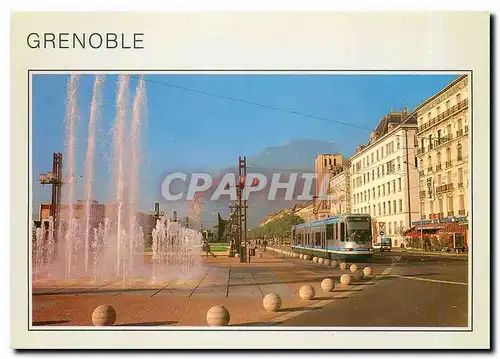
[(438, 234)]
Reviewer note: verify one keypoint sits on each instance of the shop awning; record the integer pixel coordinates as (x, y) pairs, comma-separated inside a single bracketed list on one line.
[(429, 226), (453, 227), (416, 234)]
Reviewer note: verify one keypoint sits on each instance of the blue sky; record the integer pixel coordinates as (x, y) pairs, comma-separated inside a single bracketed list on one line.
[(191, 130)]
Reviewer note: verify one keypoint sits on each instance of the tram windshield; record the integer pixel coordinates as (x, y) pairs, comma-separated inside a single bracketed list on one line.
[(358, 229)]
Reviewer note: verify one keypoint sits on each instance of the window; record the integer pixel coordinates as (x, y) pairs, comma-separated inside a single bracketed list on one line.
[(421, 164), (383, 190), (428, 115), (372, 157), (317, 239), (461, 203), (382, 152), (373, 193), (378, 191), (379, 211), (448, 104), (373, 175), (398, 160), (395, 227), (377, 156), (440, 205), (394, 186), (449, 178), (448, 157), (422, 145), (378, 172), (397, 144), (389, 228), (389, 206), (431, 145), (438, 110), (394, 207), (388, 188), (459, 152), (429, 161), (439, 136), (448, 130), (325, 162), (384, 207), (383, 171), (399, 183), (450, 206), (342, 236), (401, 225), (458, 98), (460, 177), (374, 213), (459, 124), (400, 205), (334, 161)]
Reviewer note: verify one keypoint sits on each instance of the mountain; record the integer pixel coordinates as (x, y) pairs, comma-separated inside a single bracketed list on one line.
[(296, 154)]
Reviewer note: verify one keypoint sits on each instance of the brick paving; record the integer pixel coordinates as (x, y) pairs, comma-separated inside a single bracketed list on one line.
[(239, 287)]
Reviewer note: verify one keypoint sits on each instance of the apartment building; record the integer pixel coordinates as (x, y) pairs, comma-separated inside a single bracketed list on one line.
[(326, 166), (384, 177), (338, 192), (442, 156)]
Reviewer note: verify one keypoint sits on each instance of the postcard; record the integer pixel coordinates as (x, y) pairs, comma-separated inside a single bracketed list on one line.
[(250, 180)]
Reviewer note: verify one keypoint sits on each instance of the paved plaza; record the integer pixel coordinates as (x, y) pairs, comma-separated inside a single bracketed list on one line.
[(400, 280)]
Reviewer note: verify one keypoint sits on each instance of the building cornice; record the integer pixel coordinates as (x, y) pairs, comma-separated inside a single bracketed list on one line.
[(453, 87)]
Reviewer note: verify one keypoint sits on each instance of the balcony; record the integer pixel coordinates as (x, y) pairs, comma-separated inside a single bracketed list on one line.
[(460, 132), (420, 150), (429, 169), (421, 194), (460, 158), (466, 129), (444, 188), (461, 212), (459, 106), (460, 185), (451, 213), (438, 167), (421, 173), (448, 164)]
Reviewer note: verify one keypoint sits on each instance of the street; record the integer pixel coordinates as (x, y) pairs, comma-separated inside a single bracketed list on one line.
[(420, 290)]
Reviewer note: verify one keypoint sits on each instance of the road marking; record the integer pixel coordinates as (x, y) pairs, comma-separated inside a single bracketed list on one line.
[(428, 280), (322, 303)]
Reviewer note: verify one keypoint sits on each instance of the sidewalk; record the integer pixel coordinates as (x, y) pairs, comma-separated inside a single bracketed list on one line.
[(239, 287)]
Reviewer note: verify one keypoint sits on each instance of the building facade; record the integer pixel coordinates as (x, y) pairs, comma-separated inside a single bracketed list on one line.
[(339, 195), (384, 177), (442, 156), (326, 166)]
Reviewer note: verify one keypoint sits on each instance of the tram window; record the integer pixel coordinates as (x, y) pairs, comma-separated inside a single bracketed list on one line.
[(342, 236), (317, 239), (329, 231)]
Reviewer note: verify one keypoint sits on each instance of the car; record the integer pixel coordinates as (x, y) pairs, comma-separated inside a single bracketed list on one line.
[(376, 247)]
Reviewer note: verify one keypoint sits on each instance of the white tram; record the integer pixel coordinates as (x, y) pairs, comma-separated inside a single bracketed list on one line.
[(344, 236)]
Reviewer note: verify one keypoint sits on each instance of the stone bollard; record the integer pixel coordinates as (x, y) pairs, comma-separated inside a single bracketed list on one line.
[(343, 266), (353, 268), (306, 292), (103, 315), (272, 302), (315, 259), (334, 263), (345, 279), (327, 262), (358, 275), (367, 271), (237, 255), (321, 260), (327, 285), (218, 316)]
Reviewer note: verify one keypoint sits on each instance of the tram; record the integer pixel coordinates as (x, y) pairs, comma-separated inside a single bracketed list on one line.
[(344, 236)]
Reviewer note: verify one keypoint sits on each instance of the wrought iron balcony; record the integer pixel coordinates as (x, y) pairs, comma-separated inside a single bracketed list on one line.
[(438, 167), (459, 106), (461, 212), (448, 164)]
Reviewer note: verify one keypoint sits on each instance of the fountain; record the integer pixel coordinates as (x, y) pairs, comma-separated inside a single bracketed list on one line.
[(77, 251)]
